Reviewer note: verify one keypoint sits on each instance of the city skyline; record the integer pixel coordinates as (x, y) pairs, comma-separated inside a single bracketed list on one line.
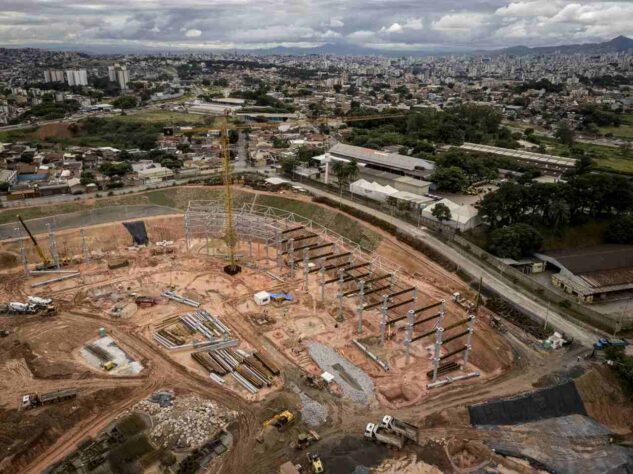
[(385, 26)]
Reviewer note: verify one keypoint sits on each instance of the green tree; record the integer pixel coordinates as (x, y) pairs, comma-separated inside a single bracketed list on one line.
[(441, 212), (565, 134), (584, 164), (125, 102), (620, 231), (515, 241), (452, 179), (234, 136), (288, 165), (87, 177)]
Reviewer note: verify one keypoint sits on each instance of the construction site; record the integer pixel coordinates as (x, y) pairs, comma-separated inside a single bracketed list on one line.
[(245, 338)]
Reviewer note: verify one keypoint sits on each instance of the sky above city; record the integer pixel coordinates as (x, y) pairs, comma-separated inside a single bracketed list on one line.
[(379, 24)]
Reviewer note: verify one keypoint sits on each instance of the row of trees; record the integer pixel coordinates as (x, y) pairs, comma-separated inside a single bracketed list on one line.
[(557, 204), (454, 125)]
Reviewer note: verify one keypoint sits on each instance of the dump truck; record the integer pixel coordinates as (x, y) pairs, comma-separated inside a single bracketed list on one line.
[(108, 366), (606, 342), (402, 428), (33, 400), (383, 435)]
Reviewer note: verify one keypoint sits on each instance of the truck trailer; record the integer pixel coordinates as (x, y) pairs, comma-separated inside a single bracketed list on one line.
[(33, 400)]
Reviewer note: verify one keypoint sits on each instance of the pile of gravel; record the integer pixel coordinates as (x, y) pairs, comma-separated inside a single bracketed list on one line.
[(327, 358), (312, 412)]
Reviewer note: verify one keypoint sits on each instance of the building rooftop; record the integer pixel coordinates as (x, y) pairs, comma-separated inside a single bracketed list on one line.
[(381, 158), (539, 158)]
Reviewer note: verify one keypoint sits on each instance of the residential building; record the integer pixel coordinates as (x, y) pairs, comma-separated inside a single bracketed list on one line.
[(77, 77)]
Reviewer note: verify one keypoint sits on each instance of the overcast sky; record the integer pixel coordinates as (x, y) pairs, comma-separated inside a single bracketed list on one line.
[(380, 24)]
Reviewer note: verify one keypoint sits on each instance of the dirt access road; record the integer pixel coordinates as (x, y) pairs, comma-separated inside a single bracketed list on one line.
[(162, 372)]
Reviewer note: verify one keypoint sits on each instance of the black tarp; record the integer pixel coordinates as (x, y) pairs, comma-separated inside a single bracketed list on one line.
[(560, 400), (137, 231)]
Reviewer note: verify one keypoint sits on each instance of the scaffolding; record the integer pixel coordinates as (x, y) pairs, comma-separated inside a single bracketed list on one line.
[(274, 228)]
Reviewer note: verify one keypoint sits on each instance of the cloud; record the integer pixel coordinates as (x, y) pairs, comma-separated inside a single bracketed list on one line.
[(464, 21), (406, 24), (529, 9), (394, 28)]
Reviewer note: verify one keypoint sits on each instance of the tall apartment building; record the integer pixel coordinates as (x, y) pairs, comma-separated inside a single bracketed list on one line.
[(53, 75), (77, 77), (119, 74)]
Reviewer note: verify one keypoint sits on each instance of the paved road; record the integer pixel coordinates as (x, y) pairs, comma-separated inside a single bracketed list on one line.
[(87, 218), (583, 335)]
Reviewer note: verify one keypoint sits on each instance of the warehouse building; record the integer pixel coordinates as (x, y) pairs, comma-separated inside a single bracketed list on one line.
[(594, 273), (547, 164)]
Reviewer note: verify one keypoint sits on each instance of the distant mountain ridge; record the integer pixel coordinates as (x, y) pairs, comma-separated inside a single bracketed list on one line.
[(616, 45)]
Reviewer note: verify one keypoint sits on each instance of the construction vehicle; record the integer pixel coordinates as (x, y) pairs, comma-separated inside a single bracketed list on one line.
[(402, 428), (47, 263), (145, 301), (44, 305), (108, 366), (281, 420), (16, 307), (605, 342), (4, 333), (497, 323), (383, 435), (305, 440), (315, 463), (33, 400)]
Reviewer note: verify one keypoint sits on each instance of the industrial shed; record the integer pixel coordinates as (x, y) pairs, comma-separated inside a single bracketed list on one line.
[(591, 273)]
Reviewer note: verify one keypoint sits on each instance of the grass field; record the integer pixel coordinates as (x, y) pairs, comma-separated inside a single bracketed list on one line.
[(625, 130), (606, 158), (179, 197), (166, 117)]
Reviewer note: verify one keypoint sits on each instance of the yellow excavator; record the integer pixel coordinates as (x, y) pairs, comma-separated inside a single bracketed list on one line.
[(47, 263), (280, 420)]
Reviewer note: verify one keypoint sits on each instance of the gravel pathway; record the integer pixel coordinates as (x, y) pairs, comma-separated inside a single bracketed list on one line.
[(358, 387), (312, 412)]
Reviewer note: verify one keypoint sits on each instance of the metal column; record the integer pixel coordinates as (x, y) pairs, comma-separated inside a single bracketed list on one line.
[(306, 270), (471, 330), (25, 262), (383, 318), (361, 306), (407, 340), (438, 348), (52, 243), (84, 245), (291, 257), (341, 277)]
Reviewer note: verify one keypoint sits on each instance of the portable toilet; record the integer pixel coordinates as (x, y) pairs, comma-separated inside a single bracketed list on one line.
[(262, 298), (102, 332)]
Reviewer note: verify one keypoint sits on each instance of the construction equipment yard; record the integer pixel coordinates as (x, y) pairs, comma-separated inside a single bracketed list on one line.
[(293, 318)]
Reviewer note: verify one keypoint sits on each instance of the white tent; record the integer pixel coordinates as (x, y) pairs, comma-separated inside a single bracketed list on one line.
[(462, 217), (373, 190)]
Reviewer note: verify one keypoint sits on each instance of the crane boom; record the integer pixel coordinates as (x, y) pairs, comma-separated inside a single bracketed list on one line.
[(38, 249), (229, 225)]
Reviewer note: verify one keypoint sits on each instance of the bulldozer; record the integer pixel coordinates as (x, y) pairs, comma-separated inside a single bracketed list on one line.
[(305, 440)]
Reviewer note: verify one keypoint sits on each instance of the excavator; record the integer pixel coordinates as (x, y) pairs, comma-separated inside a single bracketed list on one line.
[(47, 263)]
